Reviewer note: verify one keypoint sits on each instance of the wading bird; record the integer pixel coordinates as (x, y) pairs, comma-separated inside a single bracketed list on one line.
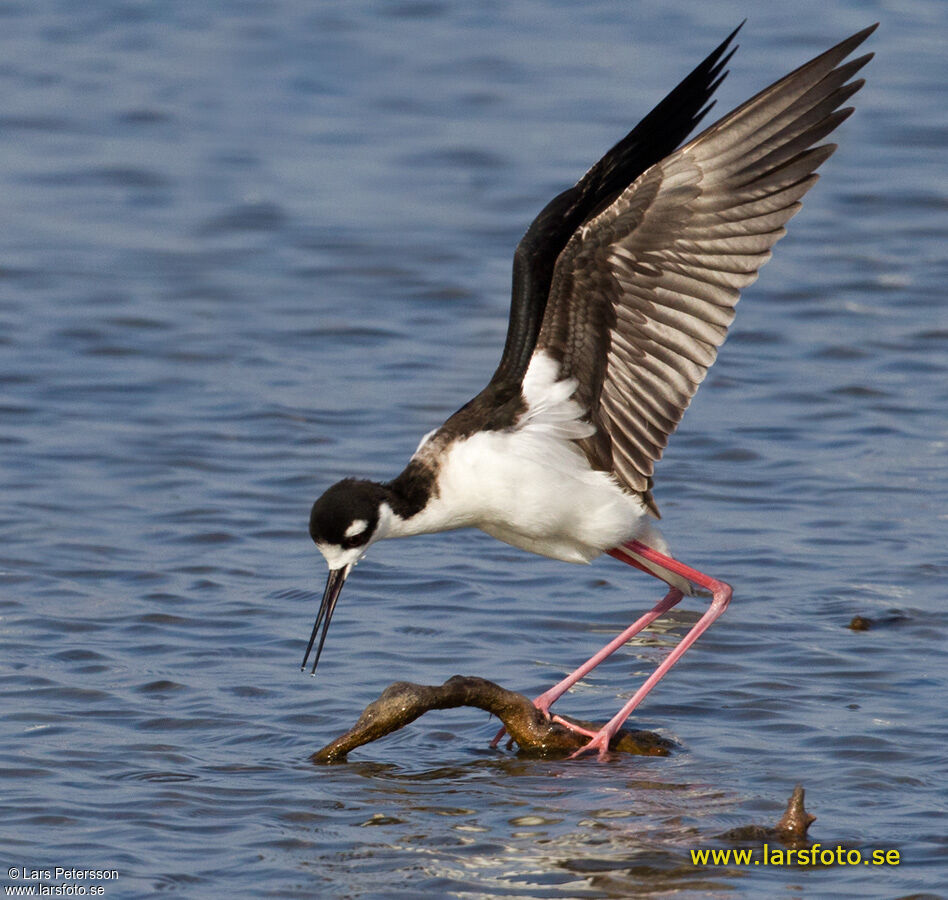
[(623, 290)]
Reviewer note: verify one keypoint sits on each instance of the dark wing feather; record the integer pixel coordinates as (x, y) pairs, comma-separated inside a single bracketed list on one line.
[(643, 294), (660, 132)]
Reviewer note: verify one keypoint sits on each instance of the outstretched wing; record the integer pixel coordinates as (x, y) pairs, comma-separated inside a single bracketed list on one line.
[(660, 132), (643, 293)]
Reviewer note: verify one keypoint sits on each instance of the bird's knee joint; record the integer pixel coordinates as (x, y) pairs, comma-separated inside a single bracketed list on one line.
[(722, 594)]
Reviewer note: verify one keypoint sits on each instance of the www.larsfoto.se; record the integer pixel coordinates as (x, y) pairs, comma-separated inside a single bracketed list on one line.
[(814, 855)]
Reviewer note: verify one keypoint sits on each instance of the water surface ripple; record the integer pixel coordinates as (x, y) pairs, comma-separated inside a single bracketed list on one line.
[(251, 248)]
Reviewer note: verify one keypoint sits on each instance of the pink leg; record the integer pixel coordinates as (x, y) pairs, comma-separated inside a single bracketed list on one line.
[(721, 596), (548, 698)]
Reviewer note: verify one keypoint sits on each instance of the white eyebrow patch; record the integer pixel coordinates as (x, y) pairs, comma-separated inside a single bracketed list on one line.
[(357, 527)]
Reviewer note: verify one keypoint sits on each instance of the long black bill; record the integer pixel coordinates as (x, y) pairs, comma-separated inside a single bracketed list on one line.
[(337, 578)]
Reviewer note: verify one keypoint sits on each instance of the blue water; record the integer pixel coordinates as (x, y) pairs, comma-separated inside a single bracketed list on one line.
[(250, 248)]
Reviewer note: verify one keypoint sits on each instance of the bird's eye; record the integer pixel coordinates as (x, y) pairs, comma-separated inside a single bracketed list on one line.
[(356, 534)]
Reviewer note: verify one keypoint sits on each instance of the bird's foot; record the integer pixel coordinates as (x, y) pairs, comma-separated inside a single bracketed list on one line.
[(599, 739), (600, 744)]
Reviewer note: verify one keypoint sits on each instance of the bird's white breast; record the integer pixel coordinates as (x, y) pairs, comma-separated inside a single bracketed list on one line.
[(531, 485)]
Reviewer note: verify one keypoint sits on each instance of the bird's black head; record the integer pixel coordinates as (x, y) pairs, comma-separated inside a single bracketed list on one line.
[(345, 520), (342, 523)]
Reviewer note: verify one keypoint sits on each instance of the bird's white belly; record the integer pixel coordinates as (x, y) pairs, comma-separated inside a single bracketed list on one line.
[(536, 493), (531, 485)]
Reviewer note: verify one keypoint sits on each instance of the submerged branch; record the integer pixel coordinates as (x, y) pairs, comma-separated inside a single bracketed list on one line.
[(790, 830), (403, 702)]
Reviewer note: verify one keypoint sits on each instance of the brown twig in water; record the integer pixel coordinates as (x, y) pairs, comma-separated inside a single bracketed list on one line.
[(796, 820), (790, 830), (403, 702)]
